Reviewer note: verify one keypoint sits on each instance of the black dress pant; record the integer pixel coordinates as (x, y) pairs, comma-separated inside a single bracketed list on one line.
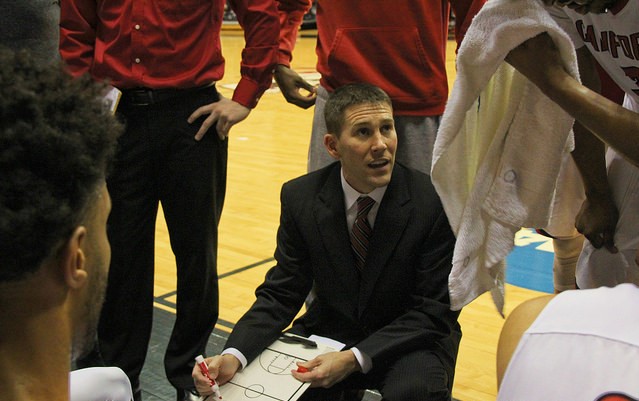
[(159, 162)]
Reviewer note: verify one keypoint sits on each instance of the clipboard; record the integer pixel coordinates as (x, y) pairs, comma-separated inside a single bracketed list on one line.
[(268, 377)]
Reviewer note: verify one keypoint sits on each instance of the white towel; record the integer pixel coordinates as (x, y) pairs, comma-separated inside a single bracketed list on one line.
[(499, 147)]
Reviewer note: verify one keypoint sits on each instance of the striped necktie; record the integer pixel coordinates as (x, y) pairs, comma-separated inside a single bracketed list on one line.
[(361, 232)]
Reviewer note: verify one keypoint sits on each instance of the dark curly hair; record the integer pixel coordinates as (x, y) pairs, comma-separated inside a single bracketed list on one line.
[(56, 140)]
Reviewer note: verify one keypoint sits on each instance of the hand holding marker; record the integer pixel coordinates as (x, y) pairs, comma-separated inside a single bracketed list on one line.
[(205, 370)]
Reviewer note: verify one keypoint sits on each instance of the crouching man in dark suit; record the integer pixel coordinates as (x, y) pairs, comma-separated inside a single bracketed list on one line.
[(372, 237)]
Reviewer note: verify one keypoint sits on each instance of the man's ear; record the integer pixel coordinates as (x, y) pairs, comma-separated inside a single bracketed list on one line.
[(73, 259), (330, 141)]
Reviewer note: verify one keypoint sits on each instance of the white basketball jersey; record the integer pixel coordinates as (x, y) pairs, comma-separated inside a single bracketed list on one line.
[(583, 346)]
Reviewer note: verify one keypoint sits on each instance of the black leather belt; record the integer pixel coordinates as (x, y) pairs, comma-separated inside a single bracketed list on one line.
[(147, 96)]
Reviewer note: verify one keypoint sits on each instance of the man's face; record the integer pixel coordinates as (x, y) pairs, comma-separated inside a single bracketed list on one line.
[(366, 146), (585, 6), (98, 258)]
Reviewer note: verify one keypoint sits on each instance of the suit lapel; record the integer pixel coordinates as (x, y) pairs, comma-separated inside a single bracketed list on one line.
[(390, 223), (330, 217)]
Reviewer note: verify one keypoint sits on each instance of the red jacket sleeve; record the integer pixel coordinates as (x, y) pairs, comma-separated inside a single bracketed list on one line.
[(465, 11), (78, 20), (259, 20), (291, 13)]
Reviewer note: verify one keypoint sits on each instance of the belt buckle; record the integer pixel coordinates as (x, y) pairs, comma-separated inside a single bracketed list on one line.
[(141, 97), (150, 97)]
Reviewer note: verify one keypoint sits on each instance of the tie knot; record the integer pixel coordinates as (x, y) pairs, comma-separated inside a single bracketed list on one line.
[(364, 205)]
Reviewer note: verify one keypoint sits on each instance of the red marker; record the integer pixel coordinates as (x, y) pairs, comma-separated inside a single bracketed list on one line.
[(302, 369), (205, 371)]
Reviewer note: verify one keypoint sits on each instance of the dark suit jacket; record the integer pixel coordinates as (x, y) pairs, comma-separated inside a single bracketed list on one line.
[(400, 302)]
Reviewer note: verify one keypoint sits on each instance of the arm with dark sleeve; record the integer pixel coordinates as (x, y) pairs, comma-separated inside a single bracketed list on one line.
[(259, 21), (281, 295), (430, 318), (78, 21), (465, 11)]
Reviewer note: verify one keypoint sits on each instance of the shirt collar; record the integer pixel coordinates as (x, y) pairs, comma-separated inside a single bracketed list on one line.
[(351, 195)]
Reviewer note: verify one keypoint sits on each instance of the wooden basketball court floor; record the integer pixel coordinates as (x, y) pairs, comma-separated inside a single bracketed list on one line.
[(267, 149)]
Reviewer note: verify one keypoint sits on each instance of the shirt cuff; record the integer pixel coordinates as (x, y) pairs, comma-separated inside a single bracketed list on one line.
[(236, 353), (284, 59), (247, 93), (364, 360)]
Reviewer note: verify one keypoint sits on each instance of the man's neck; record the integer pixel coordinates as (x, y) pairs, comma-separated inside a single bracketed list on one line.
[(34, 360)]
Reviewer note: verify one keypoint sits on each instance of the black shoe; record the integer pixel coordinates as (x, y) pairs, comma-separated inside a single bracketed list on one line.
[(187, 395)]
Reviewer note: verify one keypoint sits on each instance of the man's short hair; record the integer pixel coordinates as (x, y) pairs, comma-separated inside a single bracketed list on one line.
[(347, 96), (56, 139)]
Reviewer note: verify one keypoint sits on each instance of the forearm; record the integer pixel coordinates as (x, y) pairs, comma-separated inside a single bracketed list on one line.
[(610, 122), (280, 297), (260, 24), (589, 156), (538, 59), (77, 35), (263, 323), (291, 14), (598, 216), (416, 329), (465, 11), (589, 153)]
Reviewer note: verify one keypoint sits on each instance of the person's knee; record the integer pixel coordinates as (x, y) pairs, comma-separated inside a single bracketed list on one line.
[(431, 384)]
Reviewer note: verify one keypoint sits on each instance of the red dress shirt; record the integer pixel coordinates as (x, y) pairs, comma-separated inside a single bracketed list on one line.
[(167, 43)]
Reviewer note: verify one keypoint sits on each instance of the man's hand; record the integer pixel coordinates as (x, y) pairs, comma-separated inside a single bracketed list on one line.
[(290, 84), (224, 114), (597, 221), (222, 368), (327, 369)]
